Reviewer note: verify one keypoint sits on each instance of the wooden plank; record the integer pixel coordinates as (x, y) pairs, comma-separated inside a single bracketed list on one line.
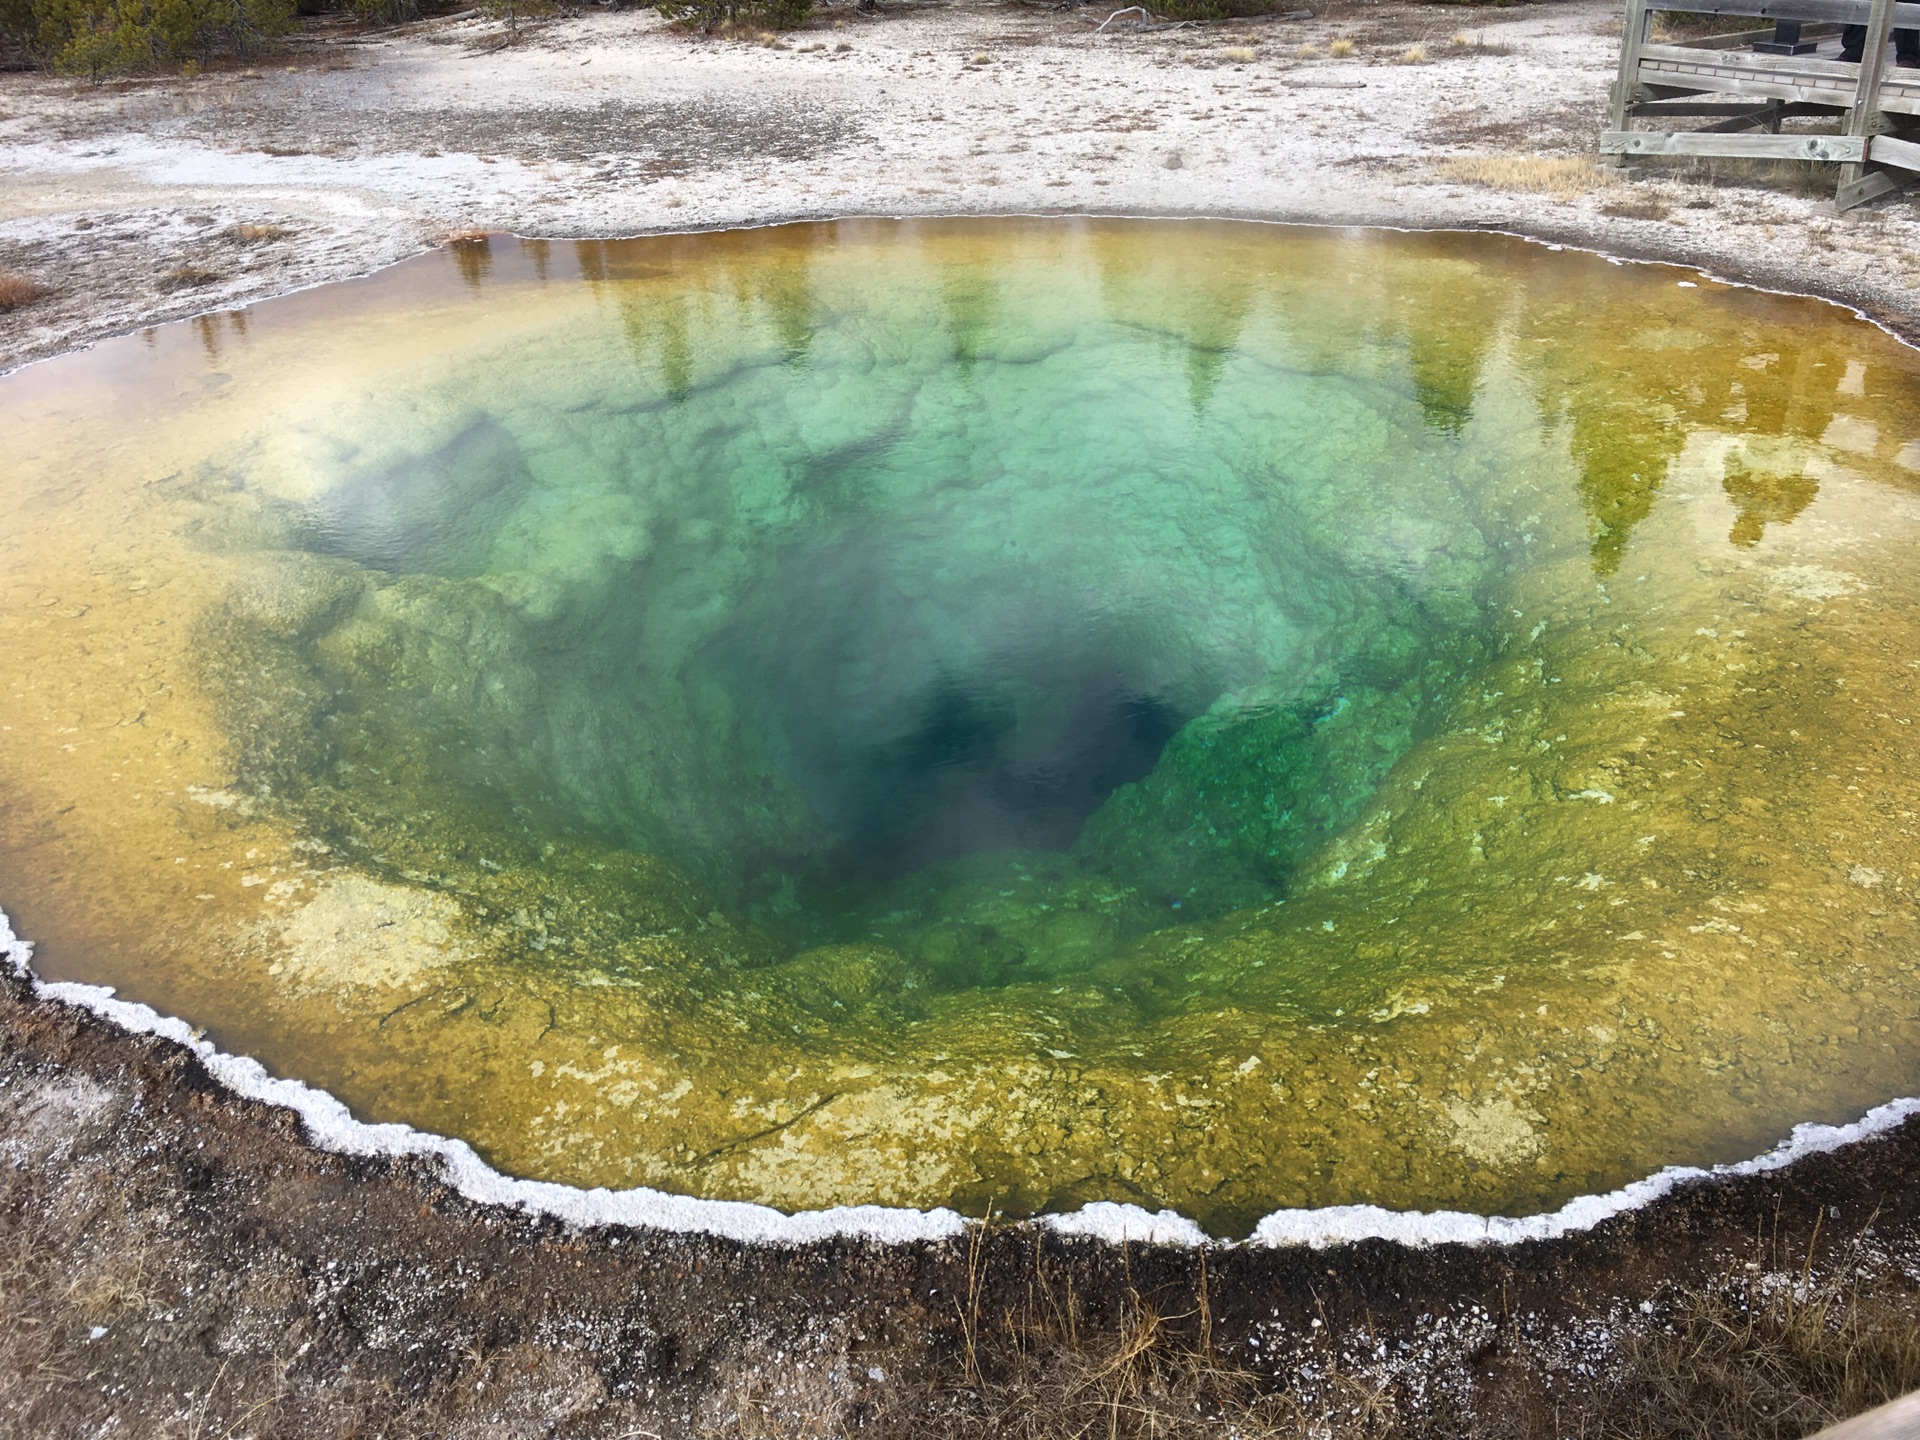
[(1808, 67), (1767, 116), (1866, 101), (1897, 1421), (1891, 150), (1729, 109), (1750, 147), (1758, 88), (1906, 14), (1633, 39), (1870, 186), (1768, 77), (1744, 40)]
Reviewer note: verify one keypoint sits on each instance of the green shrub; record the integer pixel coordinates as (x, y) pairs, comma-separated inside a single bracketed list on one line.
[(93, 37), (388, 12), (774, 14), (1212, 9), (514, 11)]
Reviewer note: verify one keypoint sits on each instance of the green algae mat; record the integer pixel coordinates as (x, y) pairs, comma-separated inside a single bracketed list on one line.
[(1213, 716)]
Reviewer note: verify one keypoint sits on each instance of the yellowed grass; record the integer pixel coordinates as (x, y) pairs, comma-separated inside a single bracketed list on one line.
[(1341, 48), (1563, 176), (1307, 52), (187, 277), (1414, 55), (1238, 54), (18, 290), (1636, 208)]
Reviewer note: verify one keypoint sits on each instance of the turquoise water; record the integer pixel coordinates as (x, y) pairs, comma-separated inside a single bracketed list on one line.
[(1217, 716), (866, 608)]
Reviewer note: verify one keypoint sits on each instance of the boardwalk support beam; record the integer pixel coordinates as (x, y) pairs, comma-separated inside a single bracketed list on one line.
[(1747, 82)]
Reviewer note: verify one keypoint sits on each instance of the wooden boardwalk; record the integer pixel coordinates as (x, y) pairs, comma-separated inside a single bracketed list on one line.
[(1744, 86)]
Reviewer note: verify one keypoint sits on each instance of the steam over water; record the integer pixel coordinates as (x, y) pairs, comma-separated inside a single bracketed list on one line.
[(1205, 715)]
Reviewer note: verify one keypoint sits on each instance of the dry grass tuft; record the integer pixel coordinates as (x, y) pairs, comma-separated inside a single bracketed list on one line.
[(1676, 27), (1414, 55), (1636, 209), (18, 291), (34, 1356), (1813, 179), (1463, 43), (980, 58), (1342, 48), (1762, 1354), (1767, 1351), (1239, 54), (1307, 52), (1049, 1369), (1563, 177), (187, 277)]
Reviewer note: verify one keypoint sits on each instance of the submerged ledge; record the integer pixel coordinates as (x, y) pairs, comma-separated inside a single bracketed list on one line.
[(330, 1126)]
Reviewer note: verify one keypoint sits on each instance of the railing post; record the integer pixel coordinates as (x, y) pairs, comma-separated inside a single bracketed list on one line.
[(1856, 184), (1633, 36)]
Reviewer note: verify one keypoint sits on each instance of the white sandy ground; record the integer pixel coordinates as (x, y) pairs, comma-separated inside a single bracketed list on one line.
[(612, 123)]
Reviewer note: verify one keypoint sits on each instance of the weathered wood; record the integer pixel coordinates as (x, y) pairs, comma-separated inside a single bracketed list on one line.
[(1746, 39), (1906, 14), (1767, 117), (1729, 108), (1892, 150), (1764, 87), (1897, 1421), (1866, 98), (1870, 186), (1633, 39), (1749, 147), (1832, 83)]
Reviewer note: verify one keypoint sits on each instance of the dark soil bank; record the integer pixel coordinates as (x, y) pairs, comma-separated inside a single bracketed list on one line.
[(178, 1262)]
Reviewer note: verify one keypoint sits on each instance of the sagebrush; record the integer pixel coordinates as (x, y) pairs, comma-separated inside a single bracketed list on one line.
[(97, 37), (724, 14)]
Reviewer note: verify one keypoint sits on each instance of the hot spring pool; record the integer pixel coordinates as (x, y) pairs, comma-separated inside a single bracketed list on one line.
[(1206, 715)]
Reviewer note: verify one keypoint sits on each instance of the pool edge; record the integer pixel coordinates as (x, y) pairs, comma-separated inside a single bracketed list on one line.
[(328, 1125)]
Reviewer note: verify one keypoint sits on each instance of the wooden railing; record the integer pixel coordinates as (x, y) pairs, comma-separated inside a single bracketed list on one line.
[(1833, 12), (1762, 89)]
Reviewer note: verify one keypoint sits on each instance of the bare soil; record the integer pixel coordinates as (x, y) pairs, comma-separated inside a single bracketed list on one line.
[(177, 1262), (126, 200)]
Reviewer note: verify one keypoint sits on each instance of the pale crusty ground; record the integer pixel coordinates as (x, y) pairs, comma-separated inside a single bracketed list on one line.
[(367, 146)]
